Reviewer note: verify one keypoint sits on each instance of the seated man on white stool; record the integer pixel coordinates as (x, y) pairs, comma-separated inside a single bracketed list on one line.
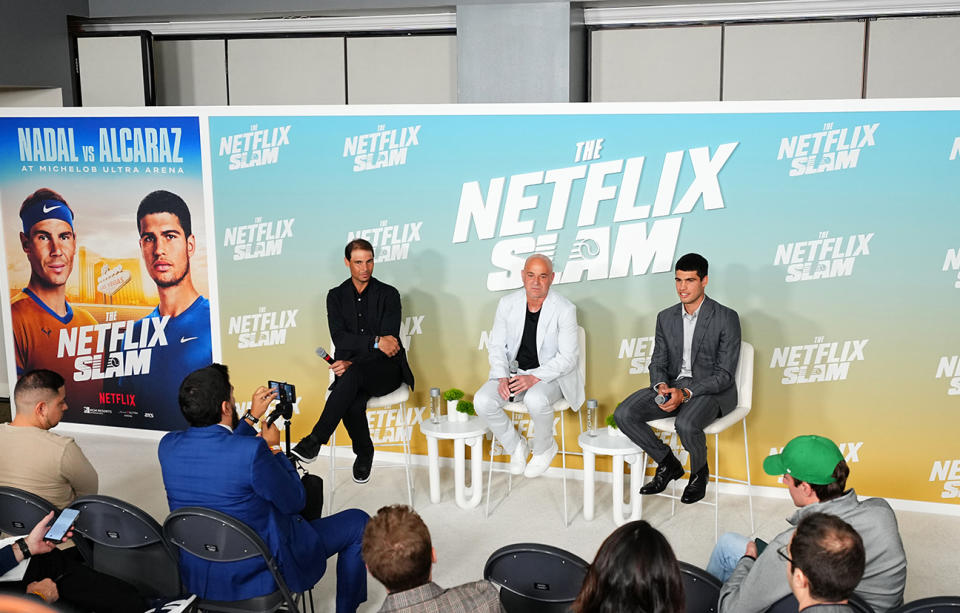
[(537, 329)]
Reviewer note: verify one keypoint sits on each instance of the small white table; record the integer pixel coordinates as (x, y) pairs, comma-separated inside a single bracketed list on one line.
[(469, 433), (623, 451)]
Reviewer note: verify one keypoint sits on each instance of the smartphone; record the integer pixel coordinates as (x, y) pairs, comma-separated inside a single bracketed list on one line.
[(61, 525), (761, 545), (286, 392)]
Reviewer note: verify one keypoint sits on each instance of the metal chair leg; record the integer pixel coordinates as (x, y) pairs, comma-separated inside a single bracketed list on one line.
[(333, 471), (563, 459), (746, 455), (405, 439), (716, 487)]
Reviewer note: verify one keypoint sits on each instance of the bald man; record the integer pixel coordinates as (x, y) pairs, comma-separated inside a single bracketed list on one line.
[(538, 329)]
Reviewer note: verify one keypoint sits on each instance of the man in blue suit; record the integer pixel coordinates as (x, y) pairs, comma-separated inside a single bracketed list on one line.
[(220, 463)]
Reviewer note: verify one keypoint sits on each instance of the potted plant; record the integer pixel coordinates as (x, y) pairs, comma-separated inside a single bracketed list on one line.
[(465, 407), (612, 429), (453, 397)]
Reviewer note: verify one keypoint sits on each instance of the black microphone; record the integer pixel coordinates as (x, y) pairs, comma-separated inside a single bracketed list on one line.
[(323, 354), (513, 373)]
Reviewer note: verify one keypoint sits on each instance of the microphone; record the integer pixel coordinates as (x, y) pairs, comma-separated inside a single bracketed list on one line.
[(323, 354), (513, 373)]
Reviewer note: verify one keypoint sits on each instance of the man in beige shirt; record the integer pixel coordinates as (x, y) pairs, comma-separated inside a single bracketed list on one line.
[(36, 460)]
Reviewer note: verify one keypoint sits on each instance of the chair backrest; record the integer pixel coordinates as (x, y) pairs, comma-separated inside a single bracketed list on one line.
[(701, 589), (127, 543), (218, 537), (744, 376), (789, 604), (582, 363), (535, 578), (936, 604), (20, 511)]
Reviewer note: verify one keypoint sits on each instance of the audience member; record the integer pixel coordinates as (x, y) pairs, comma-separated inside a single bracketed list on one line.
[(635, 570), (53, 575), (56, 469), (399, 554), (220, 463), (815, 473), (825, 561)]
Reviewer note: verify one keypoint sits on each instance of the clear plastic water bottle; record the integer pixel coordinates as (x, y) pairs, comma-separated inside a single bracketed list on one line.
[(435, 405), (592, 417)]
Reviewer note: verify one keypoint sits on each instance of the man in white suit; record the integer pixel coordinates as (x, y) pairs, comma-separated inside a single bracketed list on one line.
[(538, 330)]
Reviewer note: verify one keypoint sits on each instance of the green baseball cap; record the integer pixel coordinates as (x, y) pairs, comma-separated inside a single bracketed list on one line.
[(809, 458)]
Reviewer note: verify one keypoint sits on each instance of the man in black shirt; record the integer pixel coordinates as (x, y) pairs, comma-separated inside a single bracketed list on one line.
[(364, 319), (537, 329)]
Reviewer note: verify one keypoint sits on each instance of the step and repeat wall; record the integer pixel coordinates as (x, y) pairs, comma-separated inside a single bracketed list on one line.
[(831, 227)]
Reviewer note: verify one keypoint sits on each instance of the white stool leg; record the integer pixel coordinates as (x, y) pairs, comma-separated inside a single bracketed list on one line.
[(563, 461), (475, 489), (716, 487), (405, 437), (746, 456), (333, 471), (636, 477), (642, 469), (433, 458), (589, 468), (618, 490)]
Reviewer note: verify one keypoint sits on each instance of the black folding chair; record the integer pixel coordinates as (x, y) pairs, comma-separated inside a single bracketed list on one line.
[(20, 511), (218, 537), (127, 543), (789, 604), (936, 604), (701, 589), (535, 578)]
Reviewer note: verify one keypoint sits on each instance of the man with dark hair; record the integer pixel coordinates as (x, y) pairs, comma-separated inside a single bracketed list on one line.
[(53, 467), (364, 316), (36, 460), (815, 473), (221, 463), (692, 377), (400, 555), (41, 311), (825, 561), (167, 243)]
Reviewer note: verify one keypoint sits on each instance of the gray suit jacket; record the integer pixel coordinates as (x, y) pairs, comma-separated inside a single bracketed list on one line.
[(715, 351)]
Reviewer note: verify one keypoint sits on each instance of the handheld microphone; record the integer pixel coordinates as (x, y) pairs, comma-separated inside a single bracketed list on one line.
[(513, 373), (323, 354)]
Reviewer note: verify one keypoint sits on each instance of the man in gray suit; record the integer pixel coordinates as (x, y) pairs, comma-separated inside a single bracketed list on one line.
[(695, 355), (538, 330)]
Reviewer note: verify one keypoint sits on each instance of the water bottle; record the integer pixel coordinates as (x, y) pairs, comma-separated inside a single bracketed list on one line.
[(435, 405), (592, 417)]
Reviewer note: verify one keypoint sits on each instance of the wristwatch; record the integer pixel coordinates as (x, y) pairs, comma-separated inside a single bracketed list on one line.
[(376, 342), (250, 419), (24, 548)]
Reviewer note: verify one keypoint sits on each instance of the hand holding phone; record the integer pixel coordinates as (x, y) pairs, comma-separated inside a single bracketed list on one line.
[(62, 524)]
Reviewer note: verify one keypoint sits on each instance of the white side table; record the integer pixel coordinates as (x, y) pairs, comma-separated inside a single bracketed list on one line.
[(469, 433), (623, 451)]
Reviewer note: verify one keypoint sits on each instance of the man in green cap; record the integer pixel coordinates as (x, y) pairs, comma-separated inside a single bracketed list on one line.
[(815, 474)]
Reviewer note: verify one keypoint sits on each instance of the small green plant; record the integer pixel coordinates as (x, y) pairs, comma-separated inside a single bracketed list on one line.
[(465, 406), (611, 423), (453, 394)]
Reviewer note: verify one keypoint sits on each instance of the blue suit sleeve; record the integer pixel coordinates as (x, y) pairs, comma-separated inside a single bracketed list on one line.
[(7, 559), (275, 479)]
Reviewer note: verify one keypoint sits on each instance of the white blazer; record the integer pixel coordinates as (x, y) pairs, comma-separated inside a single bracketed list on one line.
[(558, 349)]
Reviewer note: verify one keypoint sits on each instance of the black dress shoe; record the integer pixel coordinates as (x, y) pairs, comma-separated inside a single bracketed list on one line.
[(362, 467), (697, 487), (667, 471), (306, 450)]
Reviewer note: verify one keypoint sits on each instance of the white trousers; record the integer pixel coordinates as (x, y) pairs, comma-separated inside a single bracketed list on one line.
[(539, 401)]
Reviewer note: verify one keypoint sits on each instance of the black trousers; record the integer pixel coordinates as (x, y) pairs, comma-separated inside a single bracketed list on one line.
[(80, 587), (692, 417), (348, 401)]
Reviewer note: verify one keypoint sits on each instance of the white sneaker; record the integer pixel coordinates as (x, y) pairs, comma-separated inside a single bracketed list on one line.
[(518, 459), (540, 462)]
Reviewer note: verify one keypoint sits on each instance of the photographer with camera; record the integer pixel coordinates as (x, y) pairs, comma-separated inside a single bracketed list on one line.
[(220, 463)]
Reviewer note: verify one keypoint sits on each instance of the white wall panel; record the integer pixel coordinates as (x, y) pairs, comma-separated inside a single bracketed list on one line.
[(286, 71), (111, 70), (914, 57), (793, 61), (191, 72), (653, 64), (402, 69)]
